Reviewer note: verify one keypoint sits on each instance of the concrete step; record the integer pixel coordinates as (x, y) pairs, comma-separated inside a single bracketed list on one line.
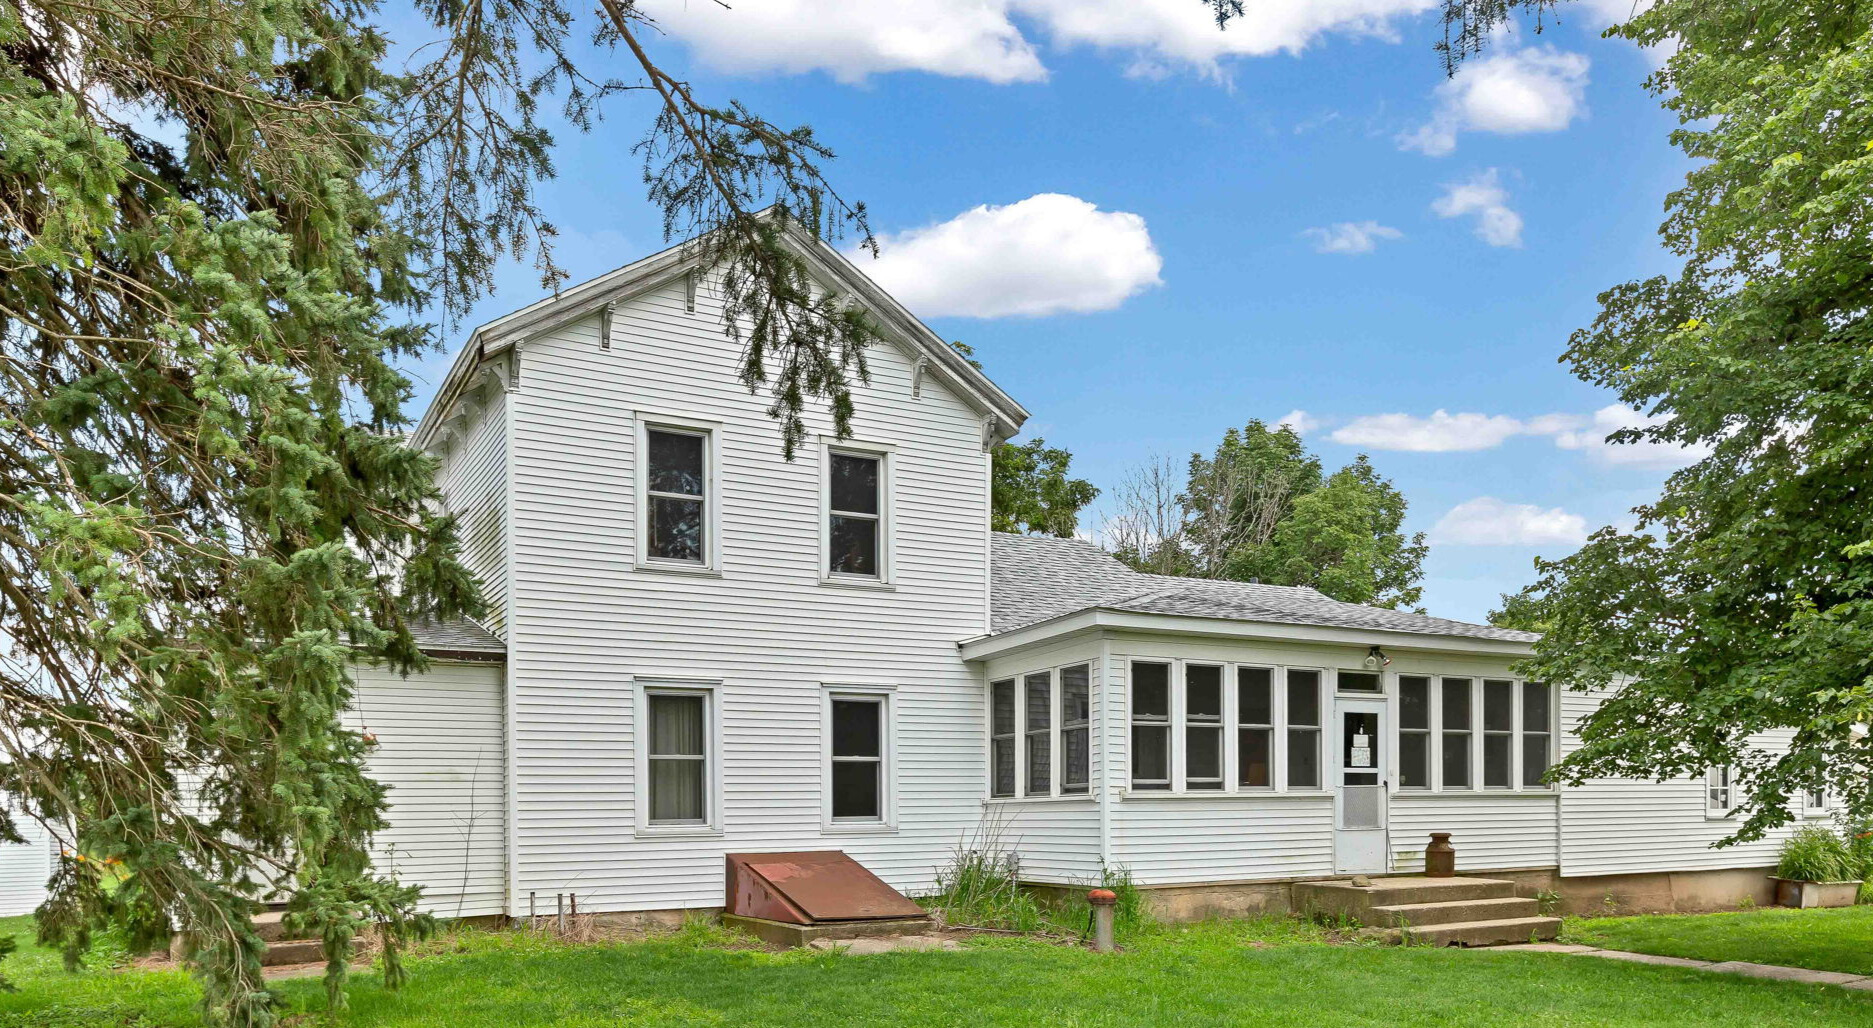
[(1453, 912), (1473, 933), (1344, 899), (305, 951), (269, 927)]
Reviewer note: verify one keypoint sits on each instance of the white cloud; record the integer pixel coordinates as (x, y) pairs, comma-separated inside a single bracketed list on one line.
[(1350, 236), (1442, 432), (1482, 195), (1047, 254), (1299, 420), (1509, 93), (1591, 439), (854, 39), (1487, 521)]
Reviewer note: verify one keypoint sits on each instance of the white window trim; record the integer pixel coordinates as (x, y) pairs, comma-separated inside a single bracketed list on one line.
[(1381, 675), (1324, 687), (1058, 719), (1822, 809), (1180, 718), (711, 691), (1053, 733), (988, 740), (1431, 753), (1716, 813), (711, 433), (1056, 734), (1172, 759), (1233, 726), (886, 698), (1231, 729), (886, 456)]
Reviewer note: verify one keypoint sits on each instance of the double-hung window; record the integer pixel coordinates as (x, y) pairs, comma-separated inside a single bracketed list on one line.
[(1076, 713), (1414, 732), (1814, 801), (676, 478), (1255, 734), (676, 740), (1002, 736), (1537, 734), (1151, 725), (1303, 729), (1498, 734), (1203, 726), (1719, 792), (855, 515), (1037, 696), (857, 757)]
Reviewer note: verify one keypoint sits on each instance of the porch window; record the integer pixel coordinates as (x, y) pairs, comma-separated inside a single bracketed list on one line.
[(1075, 728), (1151, 725), (1456, 734), (1203, 726), (858, 758), (1537, 734), (1002, 738), (1255, 738), (1719, 792), (1303, 729), (1498, 733), (1037, 691), (1414, 732), (1358, 681)]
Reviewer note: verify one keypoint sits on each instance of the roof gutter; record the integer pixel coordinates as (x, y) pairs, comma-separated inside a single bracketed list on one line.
[(1092, 619)]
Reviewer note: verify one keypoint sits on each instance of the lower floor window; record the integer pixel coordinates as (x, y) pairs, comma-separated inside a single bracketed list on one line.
[(678, 758), (858, 739)]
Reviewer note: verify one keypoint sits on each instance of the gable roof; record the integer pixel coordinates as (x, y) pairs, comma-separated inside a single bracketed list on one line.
[(1039, 578), (586, 298)]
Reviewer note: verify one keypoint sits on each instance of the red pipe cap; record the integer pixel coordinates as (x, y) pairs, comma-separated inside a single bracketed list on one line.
[(1102, 897)]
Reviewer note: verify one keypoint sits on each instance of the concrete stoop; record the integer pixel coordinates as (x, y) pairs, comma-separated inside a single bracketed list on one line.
[(282, 951), (1431, 911)]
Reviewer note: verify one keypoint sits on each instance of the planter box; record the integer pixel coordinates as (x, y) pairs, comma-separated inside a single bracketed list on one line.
[(1790, 893)]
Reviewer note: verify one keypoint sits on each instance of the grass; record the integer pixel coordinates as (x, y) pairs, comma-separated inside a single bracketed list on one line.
[(1826, 940), (1270, 972)]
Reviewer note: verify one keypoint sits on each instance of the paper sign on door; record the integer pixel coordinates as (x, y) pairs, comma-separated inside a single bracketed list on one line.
[(1362, 751)]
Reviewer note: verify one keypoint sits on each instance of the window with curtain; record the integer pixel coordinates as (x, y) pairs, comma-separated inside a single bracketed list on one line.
[(1303, 729), (1203, 726), (1537, 734), (1038, 706), (678, 758), (1255, 734), (1414, 732), (855, 530), (1075, 728), (858, 758), (1002, 738), (676, 489), (1455, 738), (1498, 733), (1151, 725)]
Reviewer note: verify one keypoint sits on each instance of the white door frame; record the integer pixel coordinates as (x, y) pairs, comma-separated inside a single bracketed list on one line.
[(1366, 849)]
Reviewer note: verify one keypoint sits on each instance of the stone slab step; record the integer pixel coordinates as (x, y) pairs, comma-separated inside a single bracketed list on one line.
[(305, 951), (1474, 933), (1452, 912), (1344, 899), (268, 925)]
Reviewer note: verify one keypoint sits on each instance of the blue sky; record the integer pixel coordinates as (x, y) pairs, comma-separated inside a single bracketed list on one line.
[(1301, 214)]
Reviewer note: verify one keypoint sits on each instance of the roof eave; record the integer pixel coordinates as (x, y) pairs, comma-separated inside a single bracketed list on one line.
[(1108, 618)]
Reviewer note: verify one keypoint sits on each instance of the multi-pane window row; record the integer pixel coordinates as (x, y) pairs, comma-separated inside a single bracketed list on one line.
[(1040, 729), (1277, 728), (677, 754), (1449, 726), (676, 498)]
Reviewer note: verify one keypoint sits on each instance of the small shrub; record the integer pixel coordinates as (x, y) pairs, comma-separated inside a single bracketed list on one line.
[(1816, 854)]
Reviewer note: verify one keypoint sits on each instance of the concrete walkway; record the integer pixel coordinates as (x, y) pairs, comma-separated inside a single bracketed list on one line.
[(1742, 967)]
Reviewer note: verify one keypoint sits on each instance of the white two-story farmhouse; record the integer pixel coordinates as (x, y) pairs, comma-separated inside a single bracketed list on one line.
[(696, 647)]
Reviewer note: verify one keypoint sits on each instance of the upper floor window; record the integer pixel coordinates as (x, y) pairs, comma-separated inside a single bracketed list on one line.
[(676, 479), (855, 515)]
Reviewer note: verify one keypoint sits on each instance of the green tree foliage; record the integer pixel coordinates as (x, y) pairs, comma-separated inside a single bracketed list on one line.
[(1742, 602), (219, 218), (1032, 490), (1259, 508), (1520, 611)]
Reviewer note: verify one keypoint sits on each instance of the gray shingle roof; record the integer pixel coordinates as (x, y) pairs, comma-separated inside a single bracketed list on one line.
[(457, 636), (1037, 578)]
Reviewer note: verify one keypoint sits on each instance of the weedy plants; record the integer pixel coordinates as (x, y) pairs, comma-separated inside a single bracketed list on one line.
[(1816, 854)]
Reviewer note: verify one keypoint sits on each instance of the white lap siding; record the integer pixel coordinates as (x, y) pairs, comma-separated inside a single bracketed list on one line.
[(440, 752), (1629, 826), (763, 631), (25, 867), (474, 486), (1491, 831)]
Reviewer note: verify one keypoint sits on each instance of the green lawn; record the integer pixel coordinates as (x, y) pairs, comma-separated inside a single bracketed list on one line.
[(1826, 940), (1244, 973)]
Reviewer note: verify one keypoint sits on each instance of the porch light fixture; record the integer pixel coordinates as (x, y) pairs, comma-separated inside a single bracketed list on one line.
[(1376, 659)]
